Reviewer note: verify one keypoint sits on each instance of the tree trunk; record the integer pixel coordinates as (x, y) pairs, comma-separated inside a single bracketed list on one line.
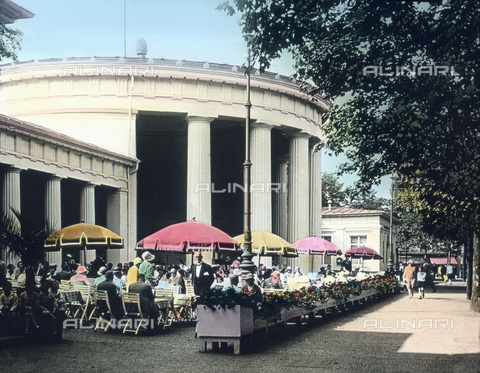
[(475, 299), (467, 262)]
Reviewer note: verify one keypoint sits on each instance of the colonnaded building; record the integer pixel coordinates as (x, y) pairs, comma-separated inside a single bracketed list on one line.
[(137, 144)]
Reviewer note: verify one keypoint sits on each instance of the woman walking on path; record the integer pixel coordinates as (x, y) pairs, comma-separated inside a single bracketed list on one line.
[(409, 278), (421, 278)]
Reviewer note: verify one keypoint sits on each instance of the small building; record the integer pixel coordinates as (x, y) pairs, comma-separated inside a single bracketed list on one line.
[(349, 227)]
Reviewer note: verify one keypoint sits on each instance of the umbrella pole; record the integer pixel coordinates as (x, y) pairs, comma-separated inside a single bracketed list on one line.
[(84, 255)]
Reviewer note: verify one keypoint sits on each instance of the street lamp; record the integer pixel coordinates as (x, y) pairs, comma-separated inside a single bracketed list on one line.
[(247, 264)]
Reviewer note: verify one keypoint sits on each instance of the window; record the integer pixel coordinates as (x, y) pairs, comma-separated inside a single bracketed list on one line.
[(357, 241), (328, 238)]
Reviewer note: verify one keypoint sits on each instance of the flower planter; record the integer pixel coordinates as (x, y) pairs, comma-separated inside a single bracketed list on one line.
[(223, 326), (234, 322)]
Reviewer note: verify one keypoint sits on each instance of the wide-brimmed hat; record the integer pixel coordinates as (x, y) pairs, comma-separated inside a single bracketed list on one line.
[(248, 275), (137, 260), (102, 271), (148, 256), (81, 270)]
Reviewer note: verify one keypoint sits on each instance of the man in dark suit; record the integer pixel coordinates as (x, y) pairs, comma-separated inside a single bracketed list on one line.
[(113, 297), (147, 298), (202, 274)]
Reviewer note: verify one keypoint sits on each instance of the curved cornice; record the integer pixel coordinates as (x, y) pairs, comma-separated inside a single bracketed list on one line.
[(156, 68)]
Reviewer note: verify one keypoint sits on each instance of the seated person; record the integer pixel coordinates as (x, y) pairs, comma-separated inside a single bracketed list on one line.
[(10, 272), (179, 281), (147, 298), (113, 295), (101, 277), (29, 305), (81, 277), (252, 289), (231, 282), (274, 281), (329, 278), (65, 273), (8, 300), (52, 321)]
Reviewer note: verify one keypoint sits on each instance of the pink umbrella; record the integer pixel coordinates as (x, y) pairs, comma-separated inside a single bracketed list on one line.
[(188, 236), (316, 246), (363, 252)]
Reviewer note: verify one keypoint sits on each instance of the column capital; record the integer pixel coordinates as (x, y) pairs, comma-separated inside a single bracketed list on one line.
[(55, 177), (299, 135), (197, 118), (15, 169), (262, 125), (317, 146)]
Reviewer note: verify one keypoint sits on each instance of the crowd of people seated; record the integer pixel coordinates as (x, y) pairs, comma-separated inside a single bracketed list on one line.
[(42, 307)]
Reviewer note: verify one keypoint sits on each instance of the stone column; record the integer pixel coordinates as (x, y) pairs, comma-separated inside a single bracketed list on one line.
[(87, 214), (261, 202), (11, 191), (199, 180), (87, 204), (299, 187), (280, 204), (316, 190), (117, 221), (53, 214), (130, 238), (11, 200)]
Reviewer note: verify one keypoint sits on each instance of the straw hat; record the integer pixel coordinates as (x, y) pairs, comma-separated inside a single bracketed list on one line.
[(81, 270), (137, 260), (148, 256)]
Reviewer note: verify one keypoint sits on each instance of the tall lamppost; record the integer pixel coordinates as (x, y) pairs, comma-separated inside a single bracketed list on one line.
[(247, 264)]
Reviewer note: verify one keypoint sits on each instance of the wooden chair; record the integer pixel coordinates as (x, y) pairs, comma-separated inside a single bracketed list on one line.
[(82, 306), (64, 285), (164, 300), (133, 312), (189, 290), (106, 317)]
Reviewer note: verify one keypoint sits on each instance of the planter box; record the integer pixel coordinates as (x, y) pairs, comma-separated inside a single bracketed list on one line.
[(228, 323)]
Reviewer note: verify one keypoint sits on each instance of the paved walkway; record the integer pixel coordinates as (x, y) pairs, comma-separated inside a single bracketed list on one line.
[(440, 323)]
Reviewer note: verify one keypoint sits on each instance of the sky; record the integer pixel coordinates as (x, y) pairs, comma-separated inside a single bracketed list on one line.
[(182, 29)]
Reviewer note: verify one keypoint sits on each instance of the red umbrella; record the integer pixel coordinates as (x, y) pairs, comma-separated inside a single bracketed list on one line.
[(363, 252), (316, 246), (188, 236)]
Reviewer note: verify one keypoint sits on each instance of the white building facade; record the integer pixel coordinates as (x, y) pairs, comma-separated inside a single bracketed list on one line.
[(348, 227), (144, 143)]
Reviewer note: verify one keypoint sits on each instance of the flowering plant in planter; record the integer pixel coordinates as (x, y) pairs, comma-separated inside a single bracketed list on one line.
[(273, 302)]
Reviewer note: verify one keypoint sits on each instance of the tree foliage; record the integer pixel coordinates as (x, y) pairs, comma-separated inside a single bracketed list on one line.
[(22, 237), (399, 123), (332, 190), (9, 42), (424, 125)]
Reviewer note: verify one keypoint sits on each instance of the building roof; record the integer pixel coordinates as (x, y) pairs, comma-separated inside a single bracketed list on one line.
[(17, 125), (340, 211), (10, 12)]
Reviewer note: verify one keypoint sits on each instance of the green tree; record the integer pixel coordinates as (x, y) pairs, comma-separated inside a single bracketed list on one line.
[(365, 199), (332, 190), (20, 236), (9, 42), (421, 125)]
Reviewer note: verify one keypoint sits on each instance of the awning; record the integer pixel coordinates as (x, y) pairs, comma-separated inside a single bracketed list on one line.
[(443, 261)]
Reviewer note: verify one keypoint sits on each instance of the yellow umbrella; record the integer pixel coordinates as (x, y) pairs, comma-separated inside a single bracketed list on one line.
[(268, 244), (83, 236)]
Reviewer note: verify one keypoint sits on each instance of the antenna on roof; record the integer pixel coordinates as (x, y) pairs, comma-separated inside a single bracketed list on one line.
[(124, 28)]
